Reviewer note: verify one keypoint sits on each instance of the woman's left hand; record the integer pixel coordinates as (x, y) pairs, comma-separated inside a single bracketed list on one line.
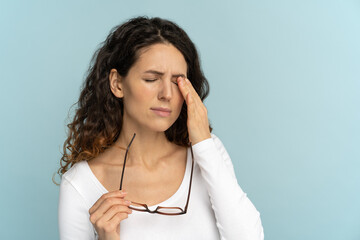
[(197, 122)]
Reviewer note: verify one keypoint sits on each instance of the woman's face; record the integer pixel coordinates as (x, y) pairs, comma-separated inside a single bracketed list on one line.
[(152, 99)]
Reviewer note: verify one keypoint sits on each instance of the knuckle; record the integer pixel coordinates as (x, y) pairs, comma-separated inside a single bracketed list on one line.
[(98, 224), (119, 208), (115, 208), (116, 218), (109, 201), (108, 228), (122, 216), (93, 218)]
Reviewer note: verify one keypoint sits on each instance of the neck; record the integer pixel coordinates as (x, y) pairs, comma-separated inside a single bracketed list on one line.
[(147, 147)]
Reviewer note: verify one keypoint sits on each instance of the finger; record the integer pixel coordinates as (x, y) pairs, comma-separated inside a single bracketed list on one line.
[(182, 86), (106, 205), (115, 209), (117, 218), (186, 88), (102, 210), (194, 102), (117, 193), (191, 105), (113, 224), (192, 91), (119, 208)]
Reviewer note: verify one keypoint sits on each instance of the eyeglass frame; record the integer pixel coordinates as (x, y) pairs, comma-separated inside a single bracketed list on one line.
[(183, 211)]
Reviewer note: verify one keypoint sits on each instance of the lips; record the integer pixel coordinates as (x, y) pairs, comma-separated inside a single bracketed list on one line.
[(162, 112)]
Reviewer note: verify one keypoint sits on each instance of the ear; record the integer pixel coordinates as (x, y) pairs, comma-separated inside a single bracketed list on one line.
[(115, 81)]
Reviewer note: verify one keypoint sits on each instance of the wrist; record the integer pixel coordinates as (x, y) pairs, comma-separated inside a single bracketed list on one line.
[(203, 138)]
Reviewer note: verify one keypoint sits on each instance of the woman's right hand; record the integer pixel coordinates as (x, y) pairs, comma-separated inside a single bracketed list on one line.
[(107, 213)]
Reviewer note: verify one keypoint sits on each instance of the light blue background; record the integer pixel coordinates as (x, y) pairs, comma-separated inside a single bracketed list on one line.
[(285, 94)]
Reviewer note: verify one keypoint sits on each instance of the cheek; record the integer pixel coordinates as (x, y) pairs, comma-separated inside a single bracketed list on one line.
[(179, 102), (140, 95), (145, 94)]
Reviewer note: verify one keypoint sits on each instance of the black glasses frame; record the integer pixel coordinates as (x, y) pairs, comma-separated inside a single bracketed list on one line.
[(158, 209)]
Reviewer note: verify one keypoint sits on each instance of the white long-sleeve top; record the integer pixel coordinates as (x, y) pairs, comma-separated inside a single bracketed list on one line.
[(218, 208)]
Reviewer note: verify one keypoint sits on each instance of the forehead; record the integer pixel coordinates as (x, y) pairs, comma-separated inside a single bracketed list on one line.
[(161, 57)]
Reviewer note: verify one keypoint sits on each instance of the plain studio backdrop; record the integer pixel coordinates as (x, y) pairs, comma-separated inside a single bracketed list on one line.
[(284, 99)]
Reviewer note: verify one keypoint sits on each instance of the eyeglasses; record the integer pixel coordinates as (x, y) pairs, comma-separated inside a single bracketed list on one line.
[(172, 211)]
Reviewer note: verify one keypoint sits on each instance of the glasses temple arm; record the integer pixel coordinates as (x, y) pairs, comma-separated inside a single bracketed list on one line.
[(127, 150), (192, 169)]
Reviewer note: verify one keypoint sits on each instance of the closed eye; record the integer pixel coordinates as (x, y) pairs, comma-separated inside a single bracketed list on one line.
[(150, 80), (153, 80)]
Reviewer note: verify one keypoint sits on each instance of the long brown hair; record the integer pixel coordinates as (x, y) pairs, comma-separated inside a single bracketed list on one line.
[(98, 119)]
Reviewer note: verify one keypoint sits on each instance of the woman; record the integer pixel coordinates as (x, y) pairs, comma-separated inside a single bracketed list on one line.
[(141, 127)]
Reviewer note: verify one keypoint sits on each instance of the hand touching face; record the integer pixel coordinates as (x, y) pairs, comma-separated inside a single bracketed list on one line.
[(197, 122)]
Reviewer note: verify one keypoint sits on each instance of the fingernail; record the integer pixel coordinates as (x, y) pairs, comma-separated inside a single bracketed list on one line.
[(127, 202)]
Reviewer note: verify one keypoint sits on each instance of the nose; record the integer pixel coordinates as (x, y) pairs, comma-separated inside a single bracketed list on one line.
[(166, 92)]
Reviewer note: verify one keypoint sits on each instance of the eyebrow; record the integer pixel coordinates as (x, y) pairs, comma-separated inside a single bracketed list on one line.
[(161, 73)]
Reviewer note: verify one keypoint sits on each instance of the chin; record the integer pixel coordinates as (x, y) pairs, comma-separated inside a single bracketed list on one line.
[(161, 127)]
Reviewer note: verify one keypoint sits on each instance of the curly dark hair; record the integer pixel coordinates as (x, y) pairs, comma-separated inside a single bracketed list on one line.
[(98, 119)]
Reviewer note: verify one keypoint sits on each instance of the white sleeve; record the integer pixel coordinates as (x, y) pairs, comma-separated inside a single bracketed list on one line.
[(236, 217), (73, 214)]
